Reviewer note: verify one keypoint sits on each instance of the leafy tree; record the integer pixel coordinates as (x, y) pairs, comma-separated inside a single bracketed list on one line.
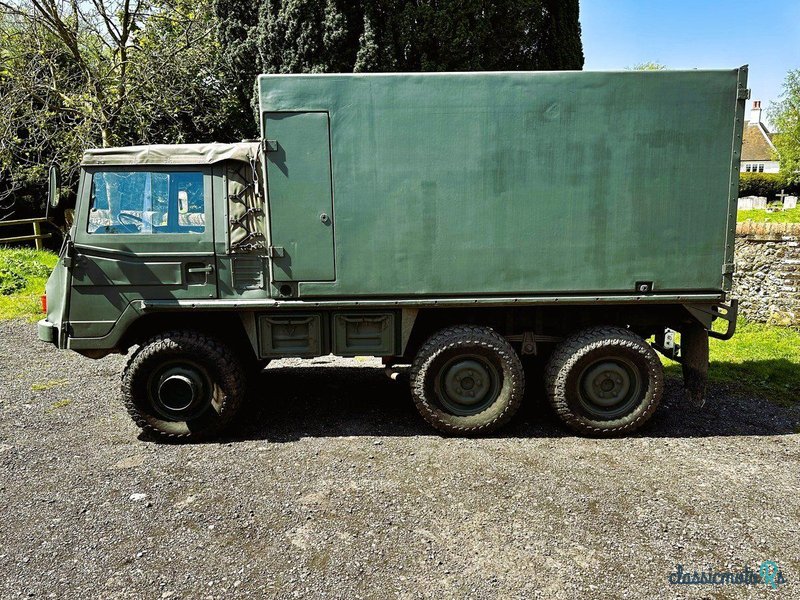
[(648, 66), (323, 36), (768, 185), (785, 116), (75, 75)]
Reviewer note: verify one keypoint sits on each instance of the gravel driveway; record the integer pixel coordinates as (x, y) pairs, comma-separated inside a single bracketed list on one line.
[(333, 486)]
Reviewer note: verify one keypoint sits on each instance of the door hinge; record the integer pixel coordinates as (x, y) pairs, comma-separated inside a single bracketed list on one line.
[(270, 145), (64, 333), (67, 258), (275, 252), (728, 268), (743, 94)]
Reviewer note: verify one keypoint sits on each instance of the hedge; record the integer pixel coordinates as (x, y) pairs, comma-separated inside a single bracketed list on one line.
[(765, 184)]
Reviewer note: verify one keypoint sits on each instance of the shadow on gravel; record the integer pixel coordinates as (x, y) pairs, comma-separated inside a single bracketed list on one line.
[(287, 404)]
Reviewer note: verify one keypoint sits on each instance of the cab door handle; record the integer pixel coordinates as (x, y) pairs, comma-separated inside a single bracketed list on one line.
[(205, 269), (198, 273)]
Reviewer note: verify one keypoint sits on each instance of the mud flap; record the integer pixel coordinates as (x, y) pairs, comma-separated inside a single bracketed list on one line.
[(694, 359)]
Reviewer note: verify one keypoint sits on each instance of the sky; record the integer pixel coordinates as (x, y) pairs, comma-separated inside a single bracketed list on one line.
[(702, 34)]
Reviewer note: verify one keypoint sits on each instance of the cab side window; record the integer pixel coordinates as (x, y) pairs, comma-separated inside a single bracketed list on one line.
[(147, 202)]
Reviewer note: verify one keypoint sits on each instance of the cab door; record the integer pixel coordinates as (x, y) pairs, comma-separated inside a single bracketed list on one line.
[(143, 232), (300, 196)]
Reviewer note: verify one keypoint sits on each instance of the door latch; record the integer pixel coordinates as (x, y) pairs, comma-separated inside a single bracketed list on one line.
[(206, 269), (198, 273)]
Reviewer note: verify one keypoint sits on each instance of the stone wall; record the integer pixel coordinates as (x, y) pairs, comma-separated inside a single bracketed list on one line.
[(767, 278)]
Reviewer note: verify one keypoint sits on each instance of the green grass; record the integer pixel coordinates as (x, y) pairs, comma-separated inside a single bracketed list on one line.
[(48, 385), (761, 216), (764, 359), (23, 274), (59, 404)]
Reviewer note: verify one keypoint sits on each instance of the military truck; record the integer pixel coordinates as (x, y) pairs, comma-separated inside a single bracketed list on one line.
[(464, 224)]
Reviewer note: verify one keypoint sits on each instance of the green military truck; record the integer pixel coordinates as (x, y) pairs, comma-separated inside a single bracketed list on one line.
[(462, 223)]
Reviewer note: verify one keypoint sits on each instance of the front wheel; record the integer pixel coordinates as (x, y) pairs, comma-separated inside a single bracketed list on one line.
[(183, 385), (604, 381), (467, 380)]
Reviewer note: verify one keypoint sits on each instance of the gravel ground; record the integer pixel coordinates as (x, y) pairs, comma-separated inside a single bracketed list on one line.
[(332, 486)]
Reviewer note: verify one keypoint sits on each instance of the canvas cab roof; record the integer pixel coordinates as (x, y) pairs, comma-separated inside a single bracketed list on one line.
[(171, 154)]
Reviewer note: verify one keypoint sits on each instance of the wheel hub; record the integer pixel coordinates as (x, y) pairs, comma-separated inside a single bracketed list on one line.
[(179, 391), (467, 382), (606, 384), (609, 387)]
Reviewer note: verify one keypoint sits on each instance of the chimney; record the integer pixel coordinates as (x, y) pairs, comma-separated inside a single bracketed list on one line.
[(755, 112)]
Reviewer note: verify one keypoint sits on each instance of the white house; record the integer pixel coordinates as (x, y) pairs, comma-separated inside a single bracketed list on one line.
[(758, 151)]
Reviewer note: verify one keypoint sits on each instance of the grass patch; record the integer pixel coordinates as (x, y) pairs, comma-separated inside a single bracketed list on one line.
[(23, 274), (49, 384), (761, 216), (760, 358), (60, 404)]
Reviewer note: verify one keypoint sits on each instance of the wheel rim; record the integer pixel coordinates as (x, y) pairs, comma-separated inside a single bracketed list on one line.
[(610, 388), (180, 390), (467, 385)]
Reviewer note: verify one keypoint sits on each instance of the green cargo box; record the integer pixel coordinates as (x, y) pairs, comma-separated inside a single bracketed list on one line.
[(452, 184)]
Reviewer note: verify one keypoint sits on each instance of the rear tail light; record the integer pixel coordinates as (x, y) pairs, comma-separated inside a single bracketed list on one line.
[(44, 303)]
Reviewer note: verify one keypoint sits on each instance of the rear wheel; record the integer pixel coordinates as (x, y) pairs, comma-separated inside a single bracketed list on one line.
[(467, 380), (604, 380), (183, 385)]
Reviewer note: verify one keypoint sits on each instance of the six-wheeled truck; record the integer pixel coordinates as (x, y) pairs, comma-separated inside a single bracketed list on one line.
[(460, 223)]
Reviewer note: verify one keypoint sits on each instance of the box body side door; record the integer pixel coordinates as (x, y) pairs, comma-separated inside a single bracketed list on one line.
[(300, 196)]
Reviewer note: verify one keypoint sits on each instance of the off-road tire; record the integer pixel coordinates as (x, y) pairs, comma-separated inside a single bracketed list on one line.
[(220, 363), (468, 340), (576, 353)]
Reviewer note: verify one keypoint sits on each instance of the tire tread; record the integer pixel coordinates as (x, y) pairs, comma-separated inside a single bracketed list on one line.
[(453, 337), (567, 354), (224, 359)]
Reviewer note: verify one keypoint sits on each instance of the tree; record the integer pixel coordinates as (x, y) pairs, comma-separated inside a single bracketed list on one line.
[(81, 74), (785, 116), (647, 66), (324, 36)]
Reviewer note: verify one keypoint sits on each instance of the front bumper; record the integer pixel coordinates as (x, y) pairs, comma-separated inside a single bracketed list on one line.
[(47, 332)]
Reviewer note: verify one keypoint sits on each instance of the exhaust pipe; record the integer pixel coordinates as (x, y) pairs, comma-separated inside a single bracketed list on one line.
[(393, 372)]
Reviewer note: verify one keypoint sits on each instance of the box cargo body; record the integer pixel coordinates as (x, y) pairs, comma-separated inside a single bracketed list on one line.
[(503, 183)]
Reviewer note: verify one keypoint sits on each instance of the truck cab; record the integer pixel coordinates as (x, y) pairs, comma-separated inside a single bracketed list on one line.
[(146, 227)]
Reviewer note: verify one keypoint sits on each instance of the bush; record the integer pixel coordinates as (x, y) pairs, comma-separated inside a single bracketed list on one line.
[(10, 281), (765, 184)]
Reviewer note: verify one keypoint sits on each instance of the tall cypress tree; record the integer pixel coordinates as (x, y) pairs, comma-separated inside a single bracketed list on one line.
[(328, 36), (238, 20)]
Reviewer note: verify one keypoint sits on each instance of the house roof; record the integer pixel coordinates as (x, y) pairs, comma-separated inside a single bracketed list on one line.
[(757, 142)]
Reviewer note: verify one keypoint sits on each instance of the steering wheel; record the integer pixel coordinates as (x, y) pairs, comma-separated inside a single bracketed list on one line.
[(130, 221)]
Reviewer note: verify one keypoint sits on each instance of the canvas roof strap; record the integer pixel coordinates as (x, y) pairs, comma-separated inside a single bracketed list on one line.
[(246, 207)]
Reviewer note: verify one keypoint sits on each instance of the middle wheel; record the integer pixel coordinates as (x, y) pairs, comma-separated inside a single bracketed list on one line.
[(467, 380)]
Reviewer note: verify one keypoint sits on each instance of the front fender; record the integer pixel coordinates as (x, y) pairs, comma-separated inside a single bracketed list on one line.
[(94, 346)]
